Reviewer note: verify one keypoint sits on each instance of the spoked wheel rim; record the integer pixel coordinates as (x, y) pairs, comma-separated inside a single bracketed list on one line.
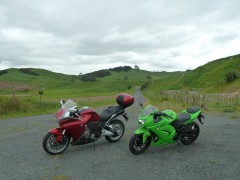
[(137, 146), (55, 147), (192, 136), (119, 129)]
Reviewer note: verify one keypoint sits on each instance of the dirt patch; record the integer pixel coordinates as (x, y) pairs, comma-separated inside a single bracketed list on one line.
[(15, 86), (237, 92)]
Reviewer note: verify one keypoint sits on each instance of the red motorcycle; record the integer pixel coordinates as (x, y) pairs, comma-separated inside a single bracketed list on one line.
[(82, 126)]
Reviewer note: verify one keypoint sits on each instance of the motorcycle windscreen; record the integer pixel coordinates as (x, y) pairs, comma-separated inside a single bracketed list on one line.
[(64, 112)]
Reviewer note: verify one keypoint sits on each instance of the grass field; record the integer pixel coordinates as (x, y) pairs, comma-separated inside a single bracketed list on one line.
[(25, 94)]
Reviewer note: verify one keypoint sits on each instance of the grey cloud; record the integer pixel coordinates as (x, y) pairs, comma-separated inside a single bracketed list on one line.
[(223, 38), (82, 34)]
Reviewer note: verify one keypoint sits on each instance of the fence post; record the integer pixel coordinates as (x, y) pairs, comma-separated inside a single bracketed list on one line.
[(204, 101)]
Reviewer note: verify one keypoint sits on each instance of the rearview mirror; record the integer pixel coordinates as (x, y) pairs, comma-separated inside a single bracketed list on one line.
[(62, 102)]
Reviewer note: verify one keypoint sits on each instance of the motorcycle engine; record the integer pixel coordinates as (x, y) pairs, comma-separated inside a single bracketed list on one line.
[(88, 134)]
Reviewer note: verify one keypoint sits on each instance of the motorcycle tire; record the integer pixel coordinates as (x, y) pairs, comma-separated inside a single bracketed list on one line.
[(52, 147), (136, 146), (189, 138), (118, 126)]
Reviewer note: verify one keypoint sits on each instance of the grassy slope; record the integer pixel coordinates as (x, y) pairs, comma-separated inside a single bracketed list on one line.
[(133, 78), (209, 77), (55, 85), (46, 81)]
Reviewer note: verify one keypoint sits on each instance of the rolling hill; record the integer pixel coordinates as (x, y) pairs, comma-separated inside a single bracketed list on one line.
[(31, 91), (30, 81), (209, 77)]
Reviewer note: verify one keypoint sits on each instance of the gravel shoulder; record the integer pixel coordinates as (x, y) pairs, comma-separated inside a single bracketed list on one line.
[(215, 154)]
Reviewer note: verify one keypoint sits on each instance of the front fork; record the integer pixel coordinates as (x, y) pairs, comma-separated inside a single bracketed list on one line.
[(145, 133), (59, 133)]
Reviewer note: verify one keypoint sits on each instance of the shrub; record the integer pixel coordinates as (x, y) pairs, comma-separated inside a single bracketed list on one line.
[(3, 72), (231, 76), (121, 68), (94, 75), (28, 71), (144, 86)]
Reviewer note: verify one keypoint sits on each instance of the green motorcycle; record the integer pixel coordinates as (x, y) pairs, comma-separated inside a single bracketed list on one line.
[(165, 127)]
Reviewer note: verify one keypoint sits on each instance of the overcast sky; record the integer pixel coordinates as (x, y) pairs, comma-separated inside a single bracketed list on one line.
[(81, 36)]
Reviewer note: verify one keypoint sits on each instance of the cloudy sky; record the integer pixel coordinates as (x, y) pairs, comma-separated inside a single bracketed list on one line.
[(81, 36)]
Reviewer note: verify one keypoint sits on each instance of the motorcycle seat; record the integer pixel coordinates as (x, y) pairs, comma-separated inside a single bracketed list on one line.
[(184, 117), (107, 113), (193, 109)]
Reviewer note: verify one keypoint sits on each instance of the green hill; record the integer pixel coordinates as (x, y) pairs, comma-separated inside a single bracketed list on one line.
[(210, 77), (37, 91), (54, 85)]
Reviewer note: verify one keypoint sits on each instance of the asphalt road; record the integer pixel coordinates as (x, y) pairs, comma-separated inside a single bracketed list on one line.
[(214, 155)]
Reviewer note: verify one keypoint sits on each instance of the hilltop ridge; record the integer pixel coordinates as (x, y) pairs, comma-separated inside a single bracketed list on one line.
[(208, 77)]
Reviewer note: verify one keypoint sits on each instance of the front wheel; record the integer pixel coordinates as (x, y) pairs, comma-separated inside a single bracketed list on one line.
[(52, 147), (118, 127), (136, 144), (190, 137)]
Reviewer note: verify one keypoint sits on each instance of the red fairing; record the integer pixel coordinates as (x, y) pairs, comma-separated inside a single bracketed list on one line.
[(58, 132), (90, 114), (125, 100), (76, 127), (59, 113)]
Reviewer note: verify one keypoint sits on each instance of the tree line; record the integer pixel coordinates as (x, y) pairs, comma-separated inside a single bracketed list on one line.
[(90, 77)]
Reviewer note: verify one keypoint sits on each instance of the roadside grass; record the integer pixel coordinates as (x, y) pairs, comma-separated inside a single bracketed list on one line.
[(13, 106), (162, 104), (235, 116), (19, 106)]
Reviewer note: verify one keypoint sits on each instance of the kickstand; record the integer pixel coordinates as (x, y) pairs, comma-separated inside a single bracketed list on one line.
[(179, 146), (94, 146)]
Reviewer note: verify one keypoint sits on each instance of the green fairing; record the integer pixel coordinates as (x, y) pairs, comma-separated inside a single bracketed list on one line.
[(145, 133), (161, 132)]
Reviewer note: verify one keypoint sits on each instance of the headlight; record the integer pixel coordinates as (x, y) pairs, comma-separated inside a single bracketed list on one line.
[(140, 121)]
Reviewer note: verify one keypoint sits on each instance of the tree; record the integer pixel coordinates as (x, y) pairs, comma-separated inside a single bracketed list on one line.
[(40, 94), (136, 67)]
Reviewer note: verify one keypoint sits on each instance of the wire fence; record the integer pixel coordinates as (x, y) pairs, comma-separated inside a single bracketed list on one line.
[(209, 101)]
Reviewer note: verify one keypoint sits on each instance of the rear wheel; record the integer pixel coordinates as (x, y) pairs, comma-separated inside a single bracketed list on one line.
[(190, 137), (52, 147), (136, 144), (118, 127)]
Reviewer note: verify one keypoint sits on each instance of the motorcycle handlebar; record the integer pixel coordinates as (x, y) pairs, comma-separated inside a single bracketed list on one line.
[(161, 114)]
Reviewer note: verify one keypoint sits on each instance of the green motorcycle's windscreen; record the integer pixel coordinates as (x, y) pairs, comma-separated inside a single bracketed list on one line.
[(148, 110)]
